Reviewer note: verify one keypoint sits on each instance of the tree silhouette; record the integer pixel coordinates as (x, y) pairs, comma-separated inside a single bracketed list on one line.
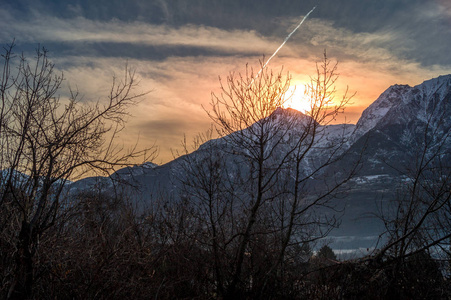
[(46, 141)]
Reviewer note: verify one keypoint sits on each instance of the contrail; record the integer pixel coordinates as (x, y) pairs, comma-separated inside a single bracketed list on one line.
[(286, 39)]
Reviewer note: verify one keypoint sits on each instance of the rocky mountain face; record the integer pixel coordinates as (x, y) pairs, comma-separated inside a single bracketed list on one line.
[(402, 122), (404, 125)]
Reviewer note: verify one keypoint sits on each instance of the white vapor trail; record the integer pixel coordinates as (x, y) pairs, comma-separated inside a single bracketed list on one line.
[(286, 39)]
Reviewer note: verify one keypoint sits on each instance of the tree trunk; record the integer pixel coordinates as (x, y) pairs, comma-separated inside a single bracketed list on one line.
[(21, 288)]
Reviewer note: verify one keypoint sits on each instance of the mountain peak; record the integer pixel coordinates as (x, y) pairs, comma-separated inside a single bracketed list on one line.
[(287, 111), (290, 115), (436, 81), (401, 99), (439, 85)]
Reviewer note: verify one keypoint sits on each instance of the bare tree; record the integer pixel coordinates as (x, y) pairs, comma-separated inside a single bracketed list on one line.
[(249, 187), (309, 139), (420, 216), (46, 141), (417, 219)]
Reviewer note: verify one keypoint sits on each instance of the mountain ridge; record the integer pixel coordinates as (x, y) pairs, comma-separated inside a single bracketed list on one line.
[(371, 117), (387, 136)]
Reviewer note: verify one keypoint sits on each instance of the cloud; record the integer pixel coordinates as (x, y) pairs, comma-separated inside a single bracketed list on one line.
[(438, 9), (398, 39), (50, 29), (179, 87)]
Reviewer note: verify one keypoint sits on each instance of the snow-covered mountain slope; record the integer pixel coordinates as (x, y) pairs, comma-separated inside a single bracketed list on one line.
[(379, 108), (403, 104)]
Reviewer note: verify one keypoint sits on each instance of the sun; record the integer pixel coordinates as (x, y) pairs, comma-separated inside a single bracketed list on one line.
[(296, 98)]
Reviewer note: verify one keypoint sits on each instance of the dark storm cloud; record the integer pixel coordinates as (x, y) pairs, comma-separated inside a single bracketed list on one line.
[(136, 51), (360, 16), (422, 32)]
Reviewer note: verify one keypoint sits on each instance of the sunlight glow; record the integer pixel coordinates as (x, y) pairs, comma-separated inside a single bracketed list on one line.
[(296, 98)]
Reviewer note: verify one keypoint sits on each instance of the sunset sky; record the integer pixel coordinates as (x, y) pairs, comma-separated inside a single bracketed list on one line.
[(180, 47)]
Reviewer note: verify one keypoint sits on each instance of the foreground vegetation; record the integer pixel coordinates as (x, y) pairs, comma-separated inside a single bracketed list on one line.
[(101, 249)]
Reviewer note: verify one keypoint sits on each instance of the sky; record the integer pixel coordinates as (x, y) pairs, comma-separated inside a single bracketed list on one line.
[(180, 49)]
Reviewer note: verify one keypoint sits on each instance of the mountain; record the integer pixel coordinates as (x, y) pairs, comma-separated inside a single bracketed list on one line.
[(394, 126), (403, 128), (389, 137), (401, 104)]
